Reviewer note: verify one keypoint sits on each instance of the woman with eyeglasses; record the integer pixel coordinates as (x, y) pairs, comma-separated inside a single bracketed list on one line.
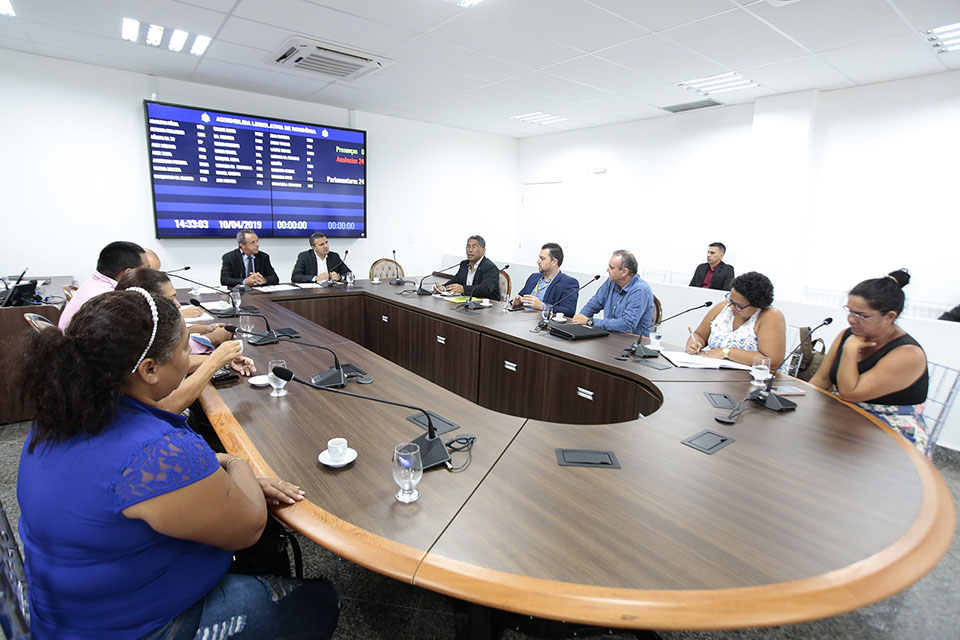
[(744, 327), (875, 363)]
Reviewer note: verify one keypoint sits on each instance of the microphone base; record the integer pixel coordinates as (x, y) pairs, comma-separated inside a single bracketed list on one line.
[(332, 379), (432, 450), (424, 292), (265, 338), (774, 402), (227, 313), (645, 352), (470, 304), (398, 282)]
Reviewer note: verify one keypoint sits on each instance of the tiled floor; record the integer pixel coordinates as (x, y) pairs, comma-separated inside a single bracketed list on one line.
[(376, 607)]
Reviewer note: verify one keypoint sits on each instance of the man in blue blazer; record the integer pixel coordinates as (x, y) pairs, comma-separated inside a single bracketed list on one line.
[(247, 264), (549, 286)]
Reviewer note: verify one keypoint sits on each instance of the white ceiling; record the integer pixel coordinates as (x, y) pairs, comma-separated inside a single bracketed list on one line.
[(594, 62)]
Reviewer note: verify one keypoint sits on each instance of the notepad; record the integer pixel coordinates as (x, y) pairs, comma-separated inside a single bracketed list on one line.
[(693, 361)]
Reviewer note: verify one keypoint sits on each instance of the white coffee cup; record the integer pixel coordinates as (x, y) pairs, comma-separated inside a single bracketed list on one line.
[(558, 316), (375, 281), (337, 449), (485, 301), (240, 342)]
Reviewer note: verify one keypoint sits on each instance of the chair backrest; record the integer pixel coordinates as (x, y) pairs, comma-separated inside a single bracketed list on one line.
[(15, 610), (791, 365), (68, 290), (385, 268), (941, 393), (657, 310), (506, 288), (38, 322)]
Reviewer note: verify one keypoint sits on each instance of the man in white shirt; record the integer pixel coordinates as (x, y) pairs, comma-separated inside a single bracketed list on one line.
[(318, 263)]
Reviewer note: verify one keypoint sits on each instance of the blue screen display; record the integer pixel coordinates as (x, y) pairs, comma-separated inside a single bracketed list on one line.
[(214, 173)]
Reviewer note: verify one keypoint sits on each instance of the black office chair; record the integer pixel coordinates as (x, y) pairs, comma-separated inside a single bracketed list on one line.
[(14, 609)]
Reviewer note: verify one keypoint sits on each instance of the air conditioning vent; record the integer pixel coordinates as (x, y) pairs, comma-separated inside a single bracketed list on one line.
[(330, 61), (690, 106)]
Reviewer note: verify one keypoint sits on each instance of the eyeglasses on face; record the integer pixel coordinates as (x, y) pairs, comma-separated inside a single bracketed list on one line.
[(738, 307), (858, 315)]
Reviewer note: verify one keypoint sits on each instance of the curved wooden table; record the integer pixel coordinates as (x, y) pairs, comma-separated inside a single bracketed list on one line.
[(807, 514)]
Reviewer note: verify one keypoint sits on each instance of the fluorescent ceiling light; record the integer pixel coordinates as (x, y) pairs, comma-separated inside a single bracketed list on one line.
[(538, 117), (200, 44), (154, 35), (130, 29), (6, 9), (177, 39), (466, 4), (945, 38), (721, 83)]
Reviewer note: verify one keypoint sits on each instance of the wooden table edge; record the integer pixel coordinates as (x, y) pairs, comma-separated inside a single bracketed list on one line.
[(366, 549)]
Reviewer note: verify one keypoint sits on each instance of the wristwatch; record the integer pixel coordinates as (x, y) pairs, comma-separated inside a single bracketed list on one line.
[(726, 353), (589, 322)]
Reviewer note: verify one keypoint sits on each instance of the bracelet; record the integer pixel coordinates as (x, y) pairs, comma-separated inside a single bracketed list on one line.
[(226, 467)]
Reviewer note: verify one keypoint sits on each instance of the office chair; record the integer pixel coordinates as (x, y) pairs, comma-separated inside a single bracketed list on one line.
[(941, 393), (68, 291), (14, 607), (38, 322), (506, 288), (386, 269)]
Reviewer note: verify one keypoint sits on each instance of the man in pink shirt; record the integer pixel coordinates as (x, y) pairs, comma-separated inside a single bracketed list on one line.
[(115, 260)]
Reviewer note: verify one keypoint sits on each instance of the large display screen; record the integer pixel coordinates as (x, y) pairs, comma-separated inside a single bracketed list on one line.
[(214, 173)]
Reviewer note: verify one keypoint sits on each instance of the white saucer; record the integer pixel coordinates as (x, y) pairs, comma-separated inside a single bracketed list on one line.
[(564, 319), (259, 381), (324, 458), (489, 304)]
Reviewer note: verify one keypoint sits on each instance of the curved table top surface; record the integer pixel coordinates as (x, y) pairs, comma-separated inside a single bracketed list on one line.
[(808, 513)]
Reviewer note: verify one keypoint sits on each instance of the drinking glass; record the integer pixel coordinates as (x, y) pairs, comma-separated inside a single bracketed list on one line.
[(505, 303), (195, 290), (350, 278), (407, 471), (235, 300), (655, 337), (246, 324), (546, 312), (275, 382), (760, 371)]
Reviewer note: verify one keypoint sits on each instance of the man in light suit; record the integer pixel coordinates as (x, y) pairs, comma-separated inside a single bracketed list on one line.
[(714, 273), (318, 263), (247, 264), (478, 276), (548, 285)]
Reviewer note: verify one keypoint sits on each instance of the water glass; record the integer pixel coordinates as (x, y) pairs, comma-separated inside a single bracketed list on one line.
[(350, 278), (407, 471), (195, 290), (760, 371), (235, 300), (505, 303), (275, 382), (655, 337), (546, 312), (246, 324)]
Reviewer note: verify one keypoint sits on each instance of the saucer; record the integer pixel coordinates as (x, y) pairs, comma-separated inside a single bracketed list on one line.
[(564, 319), (259, 381), (324, 458), (489, 304)]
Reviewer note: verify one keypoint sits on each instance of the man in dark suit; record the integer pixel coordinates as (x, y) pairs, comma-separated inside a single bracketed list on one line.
[(247, 264), (318, 263), (548, 285), (478, 276), (714, 273)]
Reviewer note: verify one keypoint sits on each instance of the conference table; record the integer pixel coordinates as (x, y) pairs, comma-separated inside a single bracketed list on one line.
[(804, 514)]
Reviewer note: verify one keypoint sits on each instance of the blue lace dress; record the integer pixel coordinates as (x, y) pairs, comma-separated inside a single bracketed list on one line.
[(723, 336), (94, 573)]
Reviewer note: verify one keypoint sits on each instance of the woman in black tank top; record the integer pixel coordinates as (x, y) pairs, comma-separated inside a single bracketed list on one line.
[(877, 364)]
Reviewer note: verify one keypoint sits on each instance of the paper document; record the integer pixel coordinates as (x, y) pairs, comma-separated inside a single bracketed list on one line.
[(692, 361), (203, 318), (217, 305), (270, 288), (309, 285), (459, 299)]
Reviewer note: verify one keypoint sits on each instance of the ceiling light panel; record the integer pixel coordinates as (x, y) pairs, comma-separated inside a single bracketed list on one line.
[(177, 39), (176, 42), (130, 29), (538, 117), (154, 35), (720, 83), (945, 38), (6, 9)]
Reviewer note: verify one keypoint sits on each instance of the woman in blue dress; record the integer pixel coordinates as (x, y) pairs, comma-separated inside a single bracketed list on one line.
[(128, 519)]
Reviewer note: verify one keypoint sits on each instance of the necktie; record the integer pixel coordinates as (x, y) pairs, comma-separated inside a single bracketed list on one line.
[(249, 265)]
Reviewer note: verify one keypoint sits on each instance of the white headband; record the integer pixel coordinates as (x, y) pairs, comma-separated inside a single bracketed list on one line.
[(154, 315)]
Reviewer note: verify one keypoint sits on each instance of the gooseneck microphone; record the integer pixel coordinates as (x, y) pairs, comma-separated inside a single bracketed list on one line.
[(186, 268), (432, 449), (793, 351), (645, 352), (329, 282), (426, 292), (544, 323), (398, 281)]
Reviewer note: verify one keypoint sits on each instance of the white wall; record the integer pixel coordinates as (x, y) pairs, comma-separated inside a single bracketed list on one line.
[(74, 158)]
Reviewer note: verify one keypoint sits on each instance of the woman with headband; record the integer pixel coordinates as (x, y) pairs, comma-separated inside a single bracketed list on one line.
[(875, 363), (129, 520)]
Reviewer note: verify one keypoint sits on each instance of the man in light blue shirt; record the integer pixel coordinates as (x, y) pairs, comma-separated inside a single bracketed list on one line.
[(625, 299)]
